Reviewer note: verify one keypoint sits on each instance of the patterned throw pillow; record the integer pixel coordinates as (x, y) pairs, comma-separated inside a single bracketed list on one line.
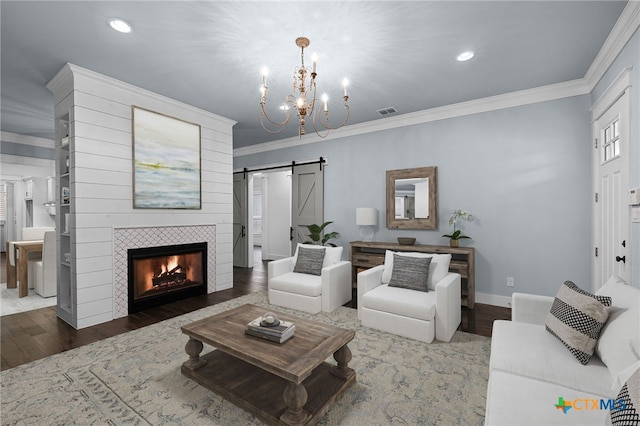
[(577, 318), (309, 261), (626, 409), (410, 272)]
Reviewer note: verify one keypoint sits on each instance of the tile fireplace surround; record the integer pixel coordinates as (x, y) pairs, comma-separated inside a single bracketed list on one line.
[(142, 237)]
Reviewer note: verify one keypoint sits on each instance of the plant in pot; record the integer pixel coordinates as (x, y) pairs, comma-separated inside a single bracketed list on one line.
[(318, 237), (457, 235)]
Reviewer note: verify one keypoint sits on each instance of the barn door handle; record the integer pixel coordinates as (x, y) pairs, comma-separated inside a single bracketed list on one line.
[(624, 243), (620, 259), (291, 233), (243, 233)]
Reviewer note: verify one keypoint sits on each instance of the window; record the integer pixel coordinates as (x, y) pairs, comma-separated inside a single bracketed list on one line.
[(3, 203), (611, 142), (257, 213)]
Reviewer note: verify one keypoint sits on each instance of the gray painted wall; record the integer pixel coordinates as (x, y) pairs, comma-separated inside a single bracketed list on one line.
[(525, 172)]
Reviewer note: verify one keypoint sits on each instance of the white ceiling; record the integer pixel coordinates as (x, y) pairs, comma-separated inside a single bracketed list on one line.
[(209, 53)]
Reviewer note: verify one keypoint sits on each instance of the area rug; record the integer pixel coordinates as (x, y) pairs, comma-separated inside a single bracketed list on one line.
[(134, 379)]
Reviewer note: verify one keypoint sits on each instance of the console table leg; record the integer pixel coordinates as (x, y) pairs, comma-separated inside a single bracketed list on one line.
[(295, 396), (193, 348), (342, 357)]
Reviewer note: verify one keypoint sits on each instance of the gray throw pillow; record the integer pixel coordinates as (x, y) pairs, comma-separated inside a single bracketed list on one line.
[(577, 318), (309, 261), (410, 272)]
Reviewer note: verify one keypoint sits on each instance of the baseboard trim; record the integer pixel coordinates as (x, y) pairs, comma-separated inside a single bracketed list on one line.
[(493, 299)]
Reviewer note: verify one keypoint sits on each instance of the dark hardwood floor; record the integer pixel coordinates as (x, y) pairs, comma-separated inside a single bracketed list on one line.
[(37, 334)]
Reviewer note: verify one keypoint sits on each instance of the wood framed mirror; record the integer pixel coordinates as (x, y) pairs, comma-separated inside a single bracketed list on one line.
[(412, 198)]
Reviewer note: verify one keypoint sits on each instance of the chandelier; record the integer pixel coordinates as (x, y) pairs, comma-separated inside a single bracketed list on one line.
[(303, 100)]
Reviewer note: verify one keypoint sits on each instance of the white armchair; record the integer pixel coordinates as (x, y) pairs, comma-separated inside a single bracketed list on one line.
[(28, 234), (45, 269), (307, 292), (415, 314)]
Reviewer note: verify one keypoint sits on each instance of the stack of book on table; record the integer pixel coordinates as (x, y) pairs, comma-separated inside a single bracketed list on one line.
[(276, 333)]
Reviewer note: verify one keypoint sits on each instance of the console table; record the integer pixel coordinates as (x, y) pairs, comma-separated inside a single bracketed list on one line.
[(365, 255)]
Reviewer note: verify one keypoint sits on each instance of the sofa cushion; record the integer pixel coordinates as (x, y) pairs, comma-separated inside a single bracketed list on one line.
[(517, 400), (529, 350), (293, 282), (614, 346), (410, 272), (622, 295), (400, 301), (626, 410), (309, 261), (332, 255), (577, 318), (438, 269)]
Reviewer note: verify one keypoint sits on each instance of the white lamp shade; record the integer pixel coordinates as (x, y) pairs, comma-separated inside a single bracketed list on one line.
[(366, 216)]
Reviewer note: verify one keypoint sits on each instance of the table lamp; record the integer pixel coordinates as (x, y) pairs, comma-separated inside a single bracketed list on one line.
[(367, 219)]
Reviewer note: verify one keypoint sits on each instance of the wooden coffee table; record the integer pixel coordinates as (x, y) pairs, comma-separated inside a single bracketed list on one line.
[(282, 384)]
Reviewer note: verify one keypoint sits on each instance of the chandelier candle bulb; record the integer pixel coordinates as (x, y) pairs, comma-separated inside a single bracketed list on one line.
[(325, 99), (345, 83), (314, 58)]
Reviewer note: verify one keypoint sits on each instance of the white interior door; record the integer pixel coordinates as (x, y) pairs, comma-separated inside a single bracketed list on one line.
[(611, 181), (240, 240), (307, 200)]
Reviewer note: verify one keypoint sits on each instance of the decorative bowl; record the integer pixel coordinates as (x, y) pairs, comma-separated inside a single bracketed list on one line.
[(406, 241)]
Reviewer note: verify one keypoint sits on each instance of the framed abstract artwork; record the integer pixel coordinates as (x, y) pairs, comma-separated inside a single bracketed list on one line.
[(166, 162)]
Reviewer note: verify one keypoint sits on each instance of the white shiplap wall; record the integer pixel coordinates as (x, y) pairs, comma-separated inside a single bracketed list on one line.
[(102, 186)]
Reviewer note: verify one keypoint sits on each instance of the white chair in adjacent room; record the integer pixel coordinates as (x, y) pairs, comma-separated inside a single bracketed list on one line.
[(32, 233), (300, 283), (45, 269), (430, 310)]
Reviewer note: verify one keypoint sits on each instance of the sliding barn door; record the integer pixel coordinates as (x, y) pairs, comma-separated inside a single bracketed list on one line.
[(307, 198), (240, 240)]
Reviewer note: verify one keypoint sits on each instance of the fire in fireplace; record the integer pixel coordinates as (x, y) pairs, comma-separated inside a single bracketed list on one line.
[(159, 275)]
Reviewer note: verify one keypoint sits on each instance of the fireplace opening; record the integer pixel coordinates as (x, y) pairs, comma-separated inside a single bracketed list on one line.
[(164, 274)]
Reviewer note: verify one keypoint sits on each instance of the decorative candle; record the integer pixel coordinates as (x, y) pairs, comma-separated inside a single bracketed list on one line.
[(345, 83)]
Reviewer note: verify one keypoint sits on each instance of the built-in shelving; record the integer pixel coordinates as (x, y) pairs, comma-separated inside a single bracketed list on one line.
[(66, 307)]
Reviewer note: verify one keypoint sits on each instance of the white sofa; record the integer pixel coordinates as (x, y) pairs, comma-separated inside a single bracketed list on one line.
[(306, 292), (530, 369), (410, 313)]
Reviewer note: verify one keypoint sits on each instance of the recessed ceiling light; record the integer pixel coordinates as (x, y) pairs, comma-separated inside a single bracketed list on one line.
[(119, 25), (465, 56)]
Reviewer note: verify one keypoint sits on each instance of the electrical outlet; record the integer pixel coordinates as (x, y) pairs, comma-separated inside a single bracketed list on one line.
[(511, 282)]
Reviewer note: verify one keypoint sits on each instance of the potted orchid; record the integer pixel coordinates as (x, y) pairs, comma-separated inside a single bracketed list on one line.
[(457, 235)]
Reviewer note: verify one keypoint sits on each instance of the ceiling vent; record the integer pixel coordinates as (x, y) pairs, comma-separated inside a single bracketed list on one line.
[(386, 111)]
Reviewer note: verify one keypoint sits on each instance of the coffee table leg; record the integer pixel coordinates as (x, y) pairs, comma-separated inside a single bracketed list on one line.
[(342, 356), (193, 348), (295, 396)]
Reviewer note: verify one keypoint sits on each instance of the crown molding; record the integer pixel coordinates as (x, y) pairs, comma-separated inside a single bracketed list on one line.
[(492, 103), (26, 140), (626, 25)]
